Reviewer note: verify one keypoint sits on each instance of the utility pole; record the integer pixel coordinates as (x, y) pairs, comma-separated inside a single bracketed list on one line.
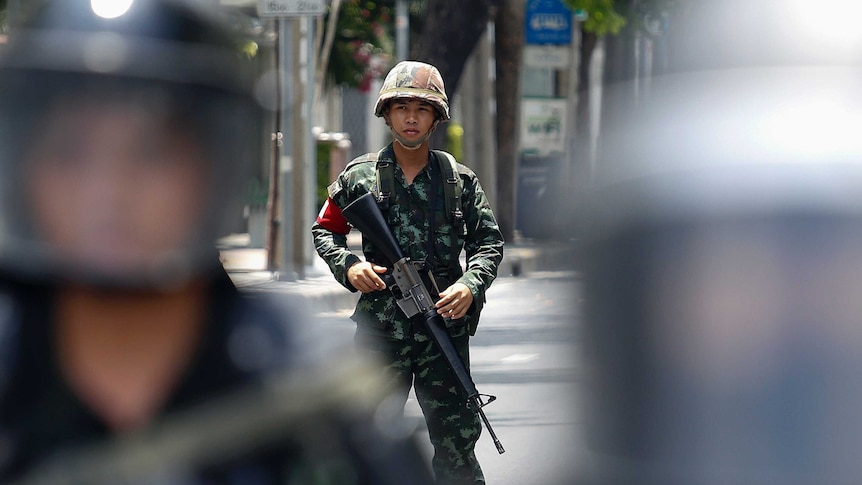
[(300, 133), (288, 220), (273, 202)]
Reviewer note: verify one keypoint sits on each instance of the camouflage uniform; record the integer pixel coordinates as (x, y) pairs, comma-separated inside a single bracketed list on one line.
[(384, 329)]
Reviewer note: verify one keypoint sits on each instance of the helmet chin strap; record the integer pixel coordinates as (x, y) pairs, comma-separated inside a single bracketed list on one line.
[(414, 144), (410, 144)]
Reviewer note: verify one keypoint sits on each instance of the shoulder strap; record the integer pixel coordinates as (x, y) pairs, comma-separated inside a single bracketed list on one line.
[(453, 187), (384, 176), (385, 182), (368, 157)]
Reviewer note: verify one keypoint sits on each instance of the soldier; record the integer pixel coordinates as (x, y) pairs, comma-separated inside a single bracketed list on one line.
[(122, 141), (435, 207)]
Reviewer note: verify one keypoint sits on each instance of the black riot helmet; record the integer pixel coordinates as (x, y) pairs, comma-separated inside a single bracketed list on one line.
[(722, 262), (125, 127)]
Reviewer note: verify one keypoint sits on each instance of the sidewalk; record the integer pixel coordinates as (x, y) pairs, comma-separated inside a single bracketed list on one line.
[(319, 292)]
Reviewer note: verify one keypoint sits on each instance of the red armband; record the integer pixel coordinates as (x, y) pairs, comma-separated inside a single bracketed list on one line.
[(331, 218)]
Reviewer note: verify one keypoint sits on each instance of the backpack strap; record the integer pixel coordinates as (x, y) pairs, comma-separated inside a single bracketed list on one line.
[(385, 183), (452, 188), (384, 176)]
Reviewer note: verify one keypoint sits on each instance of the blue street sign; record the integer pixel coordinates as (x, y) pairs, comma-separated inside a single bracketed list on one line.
[(547, 22)]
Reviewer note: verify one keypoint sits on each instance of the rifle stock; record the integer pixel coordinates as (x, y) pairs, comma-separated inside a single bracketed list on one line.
[(365, 216)]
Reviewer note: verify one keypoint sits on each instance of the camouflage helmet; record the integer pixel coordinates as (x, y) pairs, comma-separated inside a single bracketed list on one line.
[(413, 79)]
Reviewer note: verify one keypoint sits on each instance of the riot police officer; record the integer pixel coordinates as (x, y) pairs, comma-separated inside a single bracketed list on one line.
[(125, 133), (721, 262)]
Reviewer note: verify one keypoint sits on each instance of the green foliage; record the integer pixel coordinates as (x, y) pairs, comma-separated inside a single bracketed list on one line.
[(455, 141), (363, 47), (3, 22), (257, 193), (648, 15), (323, 151), (610, 16), (248, 49), (602, 18)]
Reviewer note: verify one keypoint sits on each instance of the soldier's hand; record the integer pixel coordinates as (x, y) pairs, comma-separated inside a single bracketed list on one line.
[(363, 276), (455, 301)]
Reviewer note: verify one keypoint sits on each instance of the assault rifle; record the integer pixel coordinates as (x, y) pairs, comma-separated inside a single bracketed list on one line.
[(415, 298)]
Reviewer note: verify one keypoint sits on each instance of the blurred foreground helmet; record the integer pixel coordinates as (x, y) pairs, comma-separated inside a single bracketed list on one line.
[(412, 79), (722, 271), (124, 129)]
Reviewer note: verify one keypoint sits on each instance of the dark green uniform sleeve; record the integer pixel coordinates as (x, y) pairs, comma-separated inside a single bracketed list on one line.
[(483, 243), (332, 247)]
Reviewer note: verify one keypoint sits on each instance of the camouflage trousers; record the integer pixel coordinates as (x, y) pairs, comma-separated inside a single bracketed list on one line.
[(452, 427)]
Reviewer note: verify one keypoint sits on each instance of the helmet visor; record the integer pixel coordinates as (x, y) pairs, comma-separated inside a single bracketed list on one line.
[(114, 181)]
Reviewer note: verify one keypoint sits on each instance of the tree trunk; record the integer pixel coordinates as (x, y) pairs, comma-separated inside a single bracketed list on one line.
[(450, 32), (620, 72), (509, 34), (587, 47), (583, 153), (619, 95)]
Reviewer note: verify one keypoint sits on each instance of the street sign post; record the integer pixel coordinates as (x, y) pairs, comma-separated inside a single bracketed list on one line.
[(547, 22), (277, 232), (547, 56), (290, 8), (543, 125)]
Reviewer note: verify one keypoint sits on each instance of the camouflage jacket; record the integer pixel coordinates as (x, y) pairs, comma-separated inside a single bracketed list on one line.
[(409, 217)]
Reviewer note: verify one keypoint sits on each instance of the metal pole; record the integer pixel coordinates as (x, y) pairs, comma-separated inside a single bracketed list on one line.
[(402, 30), (272, 202), (299, 129)]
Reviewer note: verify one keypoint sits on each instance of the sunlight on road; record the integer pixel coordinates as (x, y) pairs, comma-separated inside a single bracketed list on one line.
[(519, 358)]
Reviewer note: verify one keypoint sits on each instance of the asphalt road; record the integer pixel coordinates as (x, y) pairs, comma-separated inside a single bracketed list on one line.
[(525, 353)]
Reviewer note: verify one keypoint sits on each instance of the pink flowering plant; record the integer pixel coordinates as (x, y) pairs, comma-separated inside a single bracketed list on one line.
[(363, 47)]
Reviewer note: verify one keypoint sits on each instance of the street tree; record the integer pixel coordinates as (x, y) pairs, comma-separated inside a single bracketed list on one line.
[(450, 31), (618, 23), (443, 33), (509, 40)]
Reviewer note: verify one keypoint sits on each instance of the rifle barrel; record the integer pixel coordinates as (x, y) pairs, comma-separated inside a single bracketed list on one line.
[(437, 328), (477, 406)]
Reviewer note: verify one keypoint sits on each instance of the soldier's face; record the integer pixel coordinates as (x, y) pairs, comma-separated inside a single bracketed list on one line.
[(411, 119), (113, 185)]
